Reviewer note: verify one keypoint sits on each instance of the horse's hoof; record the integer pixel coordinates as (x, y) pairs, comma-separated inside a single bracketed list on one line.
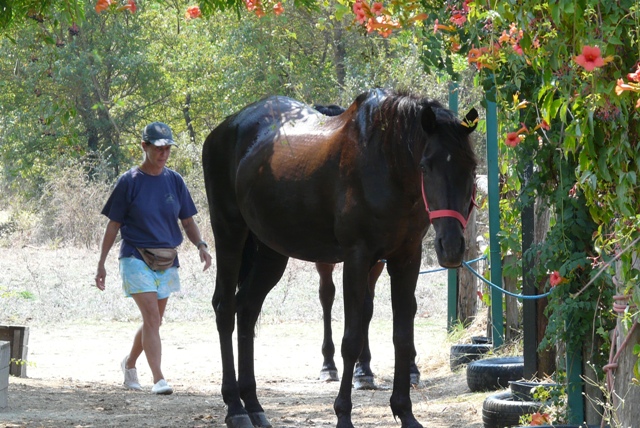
[(415, 379), (329, 375), (259, 420), (364, 383), (239, 421)]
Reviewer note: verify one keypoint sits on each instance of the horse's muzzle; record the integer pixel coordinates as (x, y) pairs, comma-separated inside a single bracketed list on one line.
[(450, 250)]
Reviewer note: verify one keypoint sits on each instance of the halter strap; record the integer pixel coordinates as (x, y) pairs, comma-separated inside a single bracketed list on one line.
[(449, 213)]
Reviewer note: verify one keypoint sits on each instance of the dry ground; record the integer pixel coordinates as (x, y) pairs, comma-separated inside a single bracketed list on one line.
[(78, 337)]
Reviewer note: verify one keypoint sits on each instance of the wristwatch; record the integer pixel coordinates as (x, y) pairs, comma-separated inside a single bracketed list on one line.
[(201, 243)]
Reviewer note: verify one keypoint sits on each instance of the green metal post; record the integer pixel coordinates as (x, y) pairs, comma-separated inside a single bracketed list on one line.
[(494, 222), (529, 306), (575, 402), (452, 298), (453, 97), (452, 274)]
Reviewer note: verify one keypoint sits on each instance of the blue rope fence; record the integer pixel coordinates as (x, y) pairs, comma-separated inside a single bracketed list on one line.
[(497, 287), (441, 269)]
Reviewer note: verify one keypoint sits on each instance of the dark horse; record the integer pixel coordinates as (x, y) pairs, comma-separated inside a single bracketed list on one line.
[(284, 181), (363, 377)]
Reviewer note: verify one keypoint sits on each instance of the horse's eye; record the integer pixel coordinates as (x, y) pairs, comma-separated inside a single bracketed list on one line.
[(423, 167)]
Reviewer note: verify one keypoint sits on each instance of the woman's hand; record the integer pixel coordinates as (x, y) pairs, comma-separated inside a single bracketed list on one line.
[(205, 257), (101, 274)]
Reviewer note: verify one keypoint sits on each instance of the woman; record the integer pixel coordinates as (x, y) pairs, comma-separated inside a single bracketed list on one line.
[(145, 207)]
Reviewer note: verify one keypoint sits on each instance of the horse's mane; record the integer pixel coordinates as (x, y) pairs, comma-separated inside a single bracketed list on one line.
[(392, 121)]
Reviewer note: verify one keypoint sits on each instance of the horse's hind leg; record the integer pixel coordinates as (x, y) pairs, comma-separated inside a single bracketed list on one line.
[(327, 292), (230, 246), (363, 377), (414, 371), (266, 270)]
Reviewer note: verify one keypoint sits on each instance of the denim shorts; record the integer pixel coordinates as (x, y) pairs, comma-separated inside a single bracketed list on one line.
[(137, 277)]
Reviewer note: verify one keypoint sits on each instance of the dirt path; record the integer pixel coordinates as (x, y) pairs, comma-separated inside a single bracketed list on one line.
[(74, 380)]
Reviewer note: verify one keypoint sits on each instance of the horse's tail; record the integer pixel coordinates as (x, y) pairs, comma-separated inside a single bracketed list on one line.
[(248, 257), (329, 110)]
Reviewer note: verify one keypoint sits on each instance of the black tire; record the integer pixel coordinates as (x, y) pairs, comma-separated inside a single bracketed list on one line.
[(522, 389), (494, 373), (504, 410), (465, 353), (481, 340)]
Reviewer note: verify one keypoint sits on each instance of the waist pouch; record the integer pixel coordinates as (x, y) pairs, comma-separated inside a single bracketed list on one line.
[(158, 258)]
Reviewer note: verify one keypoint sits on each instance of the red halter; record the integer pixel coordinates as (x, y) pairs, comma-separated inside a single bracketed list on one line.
[(449, 213)]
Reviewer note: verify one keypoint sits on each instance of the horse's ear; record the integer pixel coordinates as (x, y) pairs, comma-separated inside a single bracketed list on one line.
[(471, 120), (428, 119)]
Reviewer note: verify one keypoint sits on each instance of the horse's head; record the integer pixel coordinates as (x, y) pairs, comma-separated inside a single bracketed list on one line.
[(448, 166)]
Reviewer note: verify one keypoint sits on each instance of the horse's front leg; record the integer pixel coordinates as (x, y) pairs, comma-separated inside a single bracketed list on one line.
[(404, 276), (356, 272)]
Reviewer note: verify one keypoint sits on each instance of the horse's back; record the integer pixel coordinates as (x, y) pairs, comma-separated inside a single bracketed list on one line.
[(277, 161)]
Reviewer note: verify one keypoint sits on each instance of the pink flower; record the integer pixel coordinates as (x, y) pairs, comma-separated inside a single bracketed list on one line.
[(377, 8), (513, 139), (360, 10), (193, 12), (621, 87), (131, 6), (518, 49), (278, 9), (458, 18), (635, 76), (102, 5), (540, 419), (590, 58), (555, 278), (504, 37)]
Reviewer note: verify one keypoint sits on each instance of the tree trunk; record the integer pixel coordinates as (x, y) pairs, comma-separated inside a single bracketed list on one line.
[(626, 394), (467, 281), (593, 393), (547, 357), (187, 118), (512, 327), (339, 54)]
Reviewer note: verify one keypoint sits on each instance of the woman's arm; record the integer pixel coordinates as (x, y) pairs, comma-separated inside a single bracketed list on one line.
[(110, 234), (193, 233)]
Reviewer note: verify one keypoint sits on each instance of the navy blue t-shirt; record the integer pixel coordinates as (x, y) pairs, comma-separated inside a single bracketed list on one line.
[(149, 207)]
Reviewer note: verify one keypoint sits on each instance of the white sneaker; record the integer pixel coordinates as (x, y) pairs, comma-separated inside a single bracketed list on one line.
[(130, 376), (162, 388)]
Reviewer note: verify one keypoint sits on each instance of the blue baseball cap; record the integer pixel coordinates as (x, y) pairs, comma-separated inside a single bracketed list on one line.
[(158, 134)]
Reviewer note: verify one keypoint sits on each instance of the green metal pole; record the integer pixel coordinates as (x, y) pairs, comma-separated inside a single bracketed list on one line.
[(494, 222), (452, 274), (529, 306), (575, 402), (452, 298)]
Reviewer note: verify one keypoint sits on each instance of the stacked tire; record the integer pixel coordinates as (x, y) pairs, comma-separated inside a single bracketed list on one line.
[(491, 374), (502, 409), (467, 352)]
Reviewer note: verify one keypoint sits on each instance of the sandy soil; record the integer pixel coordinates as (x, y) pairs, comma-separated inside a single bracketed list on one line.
[(74, 380), (78, 336)]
